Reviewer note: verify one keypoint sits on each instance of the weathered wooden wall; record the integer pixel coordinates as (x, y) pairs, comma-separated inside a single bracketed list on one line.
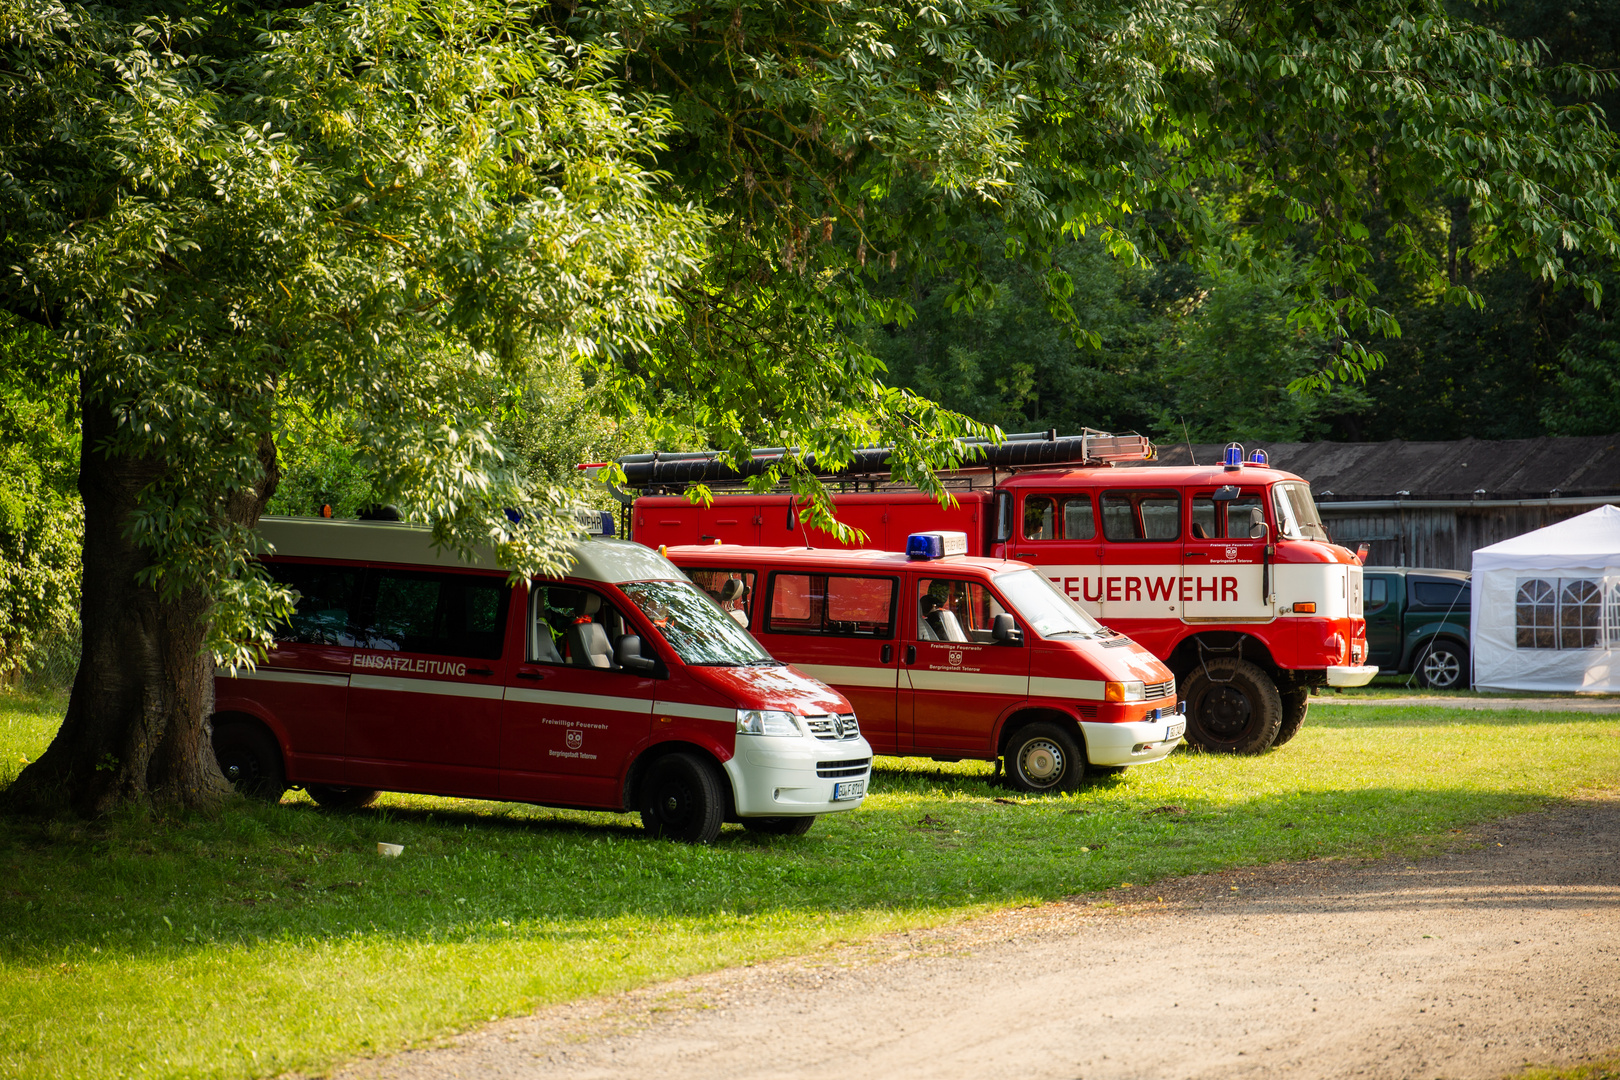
[(1442, 538)]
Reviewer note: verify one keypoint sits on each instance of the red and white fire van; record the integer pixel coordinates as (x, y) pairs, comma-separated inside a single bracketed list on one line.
[(618, 687), (1224, 572), (950, 657)]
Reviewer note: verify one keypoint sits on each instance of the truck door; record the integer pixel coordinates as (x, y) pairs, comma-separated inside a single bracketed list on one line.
[(1057, 531), (960, 677), (840, 628), (1223, 574), (573, 717), (1142, 558), (428, 673)]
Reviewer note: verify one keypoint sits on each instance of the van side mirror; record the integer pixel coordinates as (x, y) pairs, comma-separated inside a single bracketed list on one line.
[(1005, 630), (628, 654), (1257, 524)]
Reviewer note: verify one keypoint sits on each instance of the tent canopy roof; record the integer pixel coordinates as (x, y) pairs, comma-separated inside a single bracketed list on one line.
[(1590, 539)]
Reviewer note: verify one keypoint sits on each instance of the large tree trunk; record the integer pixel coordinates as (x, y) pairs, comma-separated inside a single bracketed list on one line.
[(137, 730)]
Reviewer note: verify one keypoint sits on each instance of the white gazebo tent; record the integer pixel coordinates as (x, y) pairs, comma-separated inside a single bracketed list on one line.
[(1546, 608)]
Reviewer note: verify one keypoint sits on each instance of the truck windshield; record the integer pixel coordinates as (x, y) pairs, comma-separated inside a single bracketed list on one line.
[(1047, 611), (694, 626), (1297, 518)]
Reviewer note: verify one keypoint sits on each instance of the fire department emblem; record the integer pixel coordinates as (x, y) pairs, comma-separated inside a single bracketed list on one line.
[(1231, 553), (575, 737), (956, 657)]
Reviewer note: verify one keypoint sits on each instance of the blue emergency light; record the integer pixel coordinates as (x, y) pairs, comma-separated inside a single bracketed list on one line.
[(1258, 458), (935, 545), (1234, 455)]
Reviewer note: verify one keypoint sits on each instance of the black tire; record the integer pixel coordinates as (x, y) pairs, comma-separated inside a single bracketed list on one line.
[(333, 797), (680, 799), (1296, 702), (1044, 757), (250, 758), (1442, 665), (779, 826), (1232, 707)]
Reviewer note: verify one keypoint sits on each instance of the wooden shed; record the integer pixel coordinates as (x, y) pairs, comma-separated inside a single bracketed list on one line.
[(1434, 503)]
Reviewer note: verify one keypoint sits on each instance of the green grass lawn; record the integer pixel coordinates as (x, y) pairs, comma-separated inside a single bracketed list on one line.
[(275, 938)]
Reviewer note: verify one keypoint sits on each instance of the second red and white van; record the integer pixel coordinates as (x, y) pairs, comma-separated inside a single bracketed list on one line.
[(949, 656), (619, 687)]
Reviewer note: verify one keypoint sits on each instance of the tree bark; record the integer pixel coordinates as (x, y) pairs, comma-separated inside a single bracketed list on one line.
[(137, 730)]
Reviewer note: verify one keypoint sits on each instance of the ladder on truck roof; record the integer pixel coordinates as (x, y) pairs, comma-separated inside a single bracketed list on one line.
[(673, 471)]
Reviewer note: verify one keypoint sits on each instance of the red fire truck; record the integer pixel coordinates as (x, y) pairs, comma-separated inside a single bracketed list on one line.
[(1223, 571)]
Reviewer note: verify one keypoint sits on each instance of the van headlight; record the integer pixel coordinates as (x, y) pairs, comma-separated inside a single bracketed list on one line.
[(767, 722), (1125, 691)]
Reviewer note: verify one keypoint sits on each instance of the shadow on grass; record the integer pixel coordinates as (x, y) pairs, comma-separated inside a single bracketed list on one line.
[(481, 871)]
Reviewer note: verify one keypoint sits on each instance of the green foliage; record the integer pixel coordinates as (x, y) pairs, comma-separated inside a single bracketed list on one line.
[(40, 513), (283, 928)]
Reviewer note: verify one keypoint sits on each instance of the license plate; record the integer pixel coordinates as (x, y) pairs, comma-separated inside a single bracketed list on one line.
[(1174, 731), (849, 789)]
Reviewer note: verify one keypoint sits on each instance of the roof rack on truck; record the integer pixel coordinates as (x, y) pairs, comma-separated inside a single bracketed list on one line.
[(671, 472)]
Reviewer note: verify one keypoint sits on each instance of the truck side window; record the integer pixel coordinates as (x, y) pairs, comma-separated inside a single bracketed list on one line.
[(733, 590), (1141, 515), (1226, 520), (839, 605), (1078, 521), (1377, 592), (573, 626), (324, 598), (949, 610), (1040, 518), (1440, 594), (442, 614)]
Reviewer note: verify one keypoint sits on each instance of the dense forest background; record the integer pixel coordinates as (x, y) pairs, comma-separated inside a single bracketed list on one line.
[(1178, 349)]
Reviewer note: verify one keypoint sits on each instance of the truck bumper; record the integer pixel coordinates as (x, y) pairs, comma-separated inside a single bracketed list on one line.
[(1136, 743), (1359, 675), (781, 777)]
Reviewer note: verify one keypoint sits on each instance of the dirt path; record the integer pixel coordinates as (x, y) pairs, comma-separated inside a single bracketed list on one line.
[(1466, 965)]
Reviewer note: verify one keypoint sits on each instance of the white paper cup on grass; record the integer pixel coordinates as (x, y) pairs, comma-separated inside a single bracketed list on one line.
[(391, 851)]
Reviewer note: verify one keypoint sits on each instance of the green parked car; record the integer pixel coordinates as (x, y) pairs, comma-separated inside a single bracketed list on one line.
[(1417, 622)]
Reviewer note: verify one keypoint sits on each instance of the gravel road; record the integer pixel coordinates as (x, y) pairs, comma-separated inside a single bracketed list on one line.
[(1504, 951)]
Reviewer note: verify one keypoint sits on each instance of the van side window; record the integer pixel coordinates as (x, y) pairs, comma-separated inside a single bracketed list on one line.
[(324, 599), (835, 604), (441, 614), (573, 626), (949, 610), (1141, 515), (733, 590)]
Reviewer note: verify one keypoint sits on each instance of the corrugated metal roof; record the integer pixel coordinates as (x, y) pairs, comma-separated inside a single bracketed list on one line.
[(1468, 468)]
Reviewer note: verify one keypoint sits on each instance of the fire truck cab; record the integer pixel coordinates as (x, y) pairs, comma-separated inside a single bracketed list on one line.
[(1224, 572)]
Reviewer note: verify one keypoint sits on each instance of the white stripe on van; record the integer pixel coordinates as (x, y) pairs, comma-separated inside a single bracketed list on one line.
[(1083, 689), (310, 678), (842, 675), (968, 682), (578, 701), (426, 686), (695, 712)]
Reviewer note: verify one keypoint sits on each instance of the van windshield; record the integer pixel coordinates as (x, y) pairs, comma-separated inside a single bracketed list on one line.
[(694, 625), (1047, 611)]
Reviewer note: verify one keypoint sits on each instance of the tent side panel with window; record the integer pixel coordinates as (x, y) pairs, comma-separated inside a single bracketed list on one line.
[(1546, 608)]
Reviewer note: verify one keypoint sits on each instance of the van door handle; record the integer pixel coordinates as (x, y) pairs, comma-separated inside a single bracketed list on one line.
[(887, 654), (911, 654), (531, 674), (1194, 555)]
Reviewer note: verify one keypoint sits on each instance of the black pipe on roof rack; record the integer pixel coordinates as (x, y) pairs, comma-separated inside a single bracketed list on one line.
[(1016, 451)]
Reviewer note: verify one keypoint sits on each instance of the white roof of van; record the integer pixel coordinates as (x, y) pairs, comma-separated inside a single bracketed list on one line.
[(412, 545)]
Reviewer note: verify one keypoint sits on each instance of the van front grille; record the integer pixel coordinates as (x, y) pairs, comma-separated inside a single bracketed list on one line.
[(839, 769), (833, 726), (1153, 691)]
